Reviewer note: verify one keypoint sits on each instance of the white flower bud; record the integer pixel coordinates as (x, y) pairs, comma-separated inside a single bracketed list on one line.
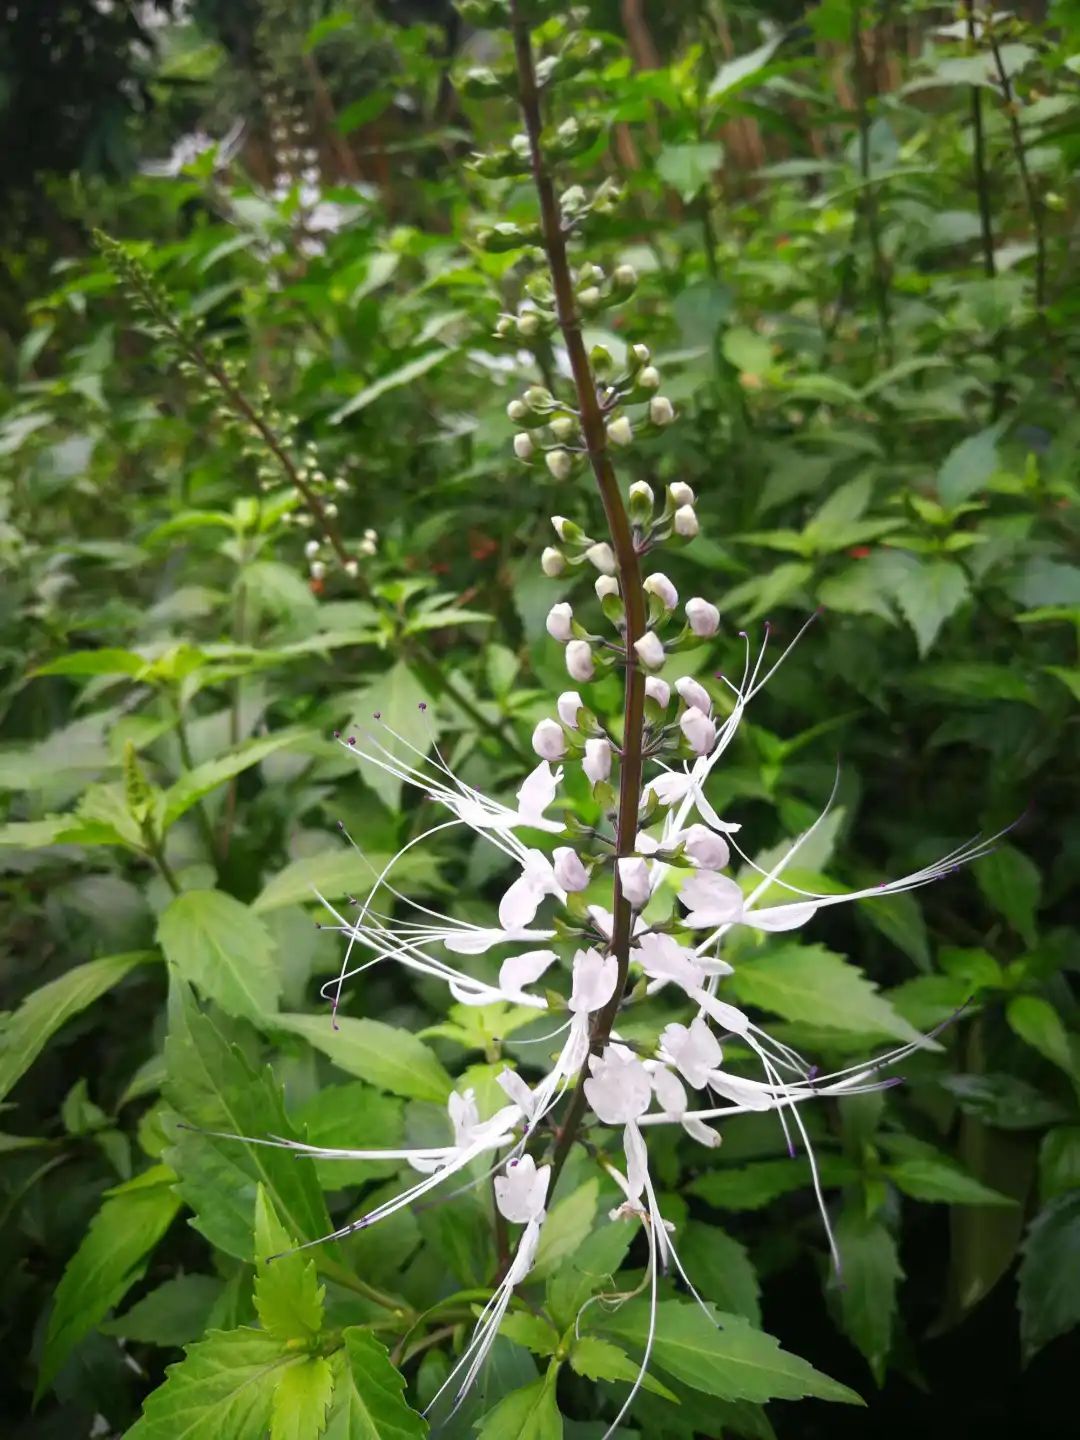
[(650, 650), (602, 556), (318, 570), (634, 879), (341, 485), (552, 562), (568, 705), (705, 848), (604, 586), (517, 410), (548, 740), (624, 276), (620, 431), (523, 445), (330, 510), (597, 761), (560, 622), (589, 298), (649, 379), (371, 535), (661, 410), (560, 463), (641, 354), (658, 690), (642, 492), (538, 398), (564, 427), (352, 568), (579, 660), (699, 730), (703, 618), (660, 586), (680, 493), (693, 695), (686, 522), (503, 326), (528, 324), (311, 549), (570, 873)]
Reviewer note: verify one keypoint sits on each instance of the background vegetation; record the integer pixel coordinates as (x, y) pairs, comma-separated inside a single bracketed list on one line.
[(853, 226)]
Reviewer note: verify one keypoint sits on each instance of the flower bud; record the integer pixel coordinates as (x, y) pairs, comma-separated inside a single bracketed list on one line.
[(705, 848), (503, 326), (650, 650), (528, 324), (661, 410), (538, 398), (548, 740), (523, 445), (589, 298), (352, 568), (641, 353), (597, 760), (686, 522), (680, 493), (560, 463), (604, 586), (658, 690), (579, 660), (693, 694), (649, 379), (311, 549), (568, 705), (552, 562), (570, 873), (703, 618), (620, 431), (641, 493), (602, 556), (624, 277), (560, 622), (634, 880), (517, 410), (568, 531), (699, 730), (318, 570), (564, 427), (660, 586)]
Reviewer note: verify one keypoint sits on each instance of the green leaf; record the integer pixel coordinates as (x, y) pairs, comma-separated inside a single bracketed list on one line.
[(26, 1031), (1059, 1162), (867, 1296), (531, 1331), (224, 1387), (1049, 1292), (212, 1086), (301, 1400), (288, 1298), (392, 380), (749, 1187), (900, 919), (95, 662), (395, 697), (928, 594), (689, 168), (1005, 1101), (729, 1359), (192, 786), (172, 1315), (598, 1359), (568, 1223), (740, 72), (219, 946), (1037, 1022), (338, 1116), (1011, 883), (369, 1403), (527, 1414), (811, 983), (926, 1178), (591, 1269), (969, 465), (110, 1259), (385, 1056), (337, 873), (721, 1269)]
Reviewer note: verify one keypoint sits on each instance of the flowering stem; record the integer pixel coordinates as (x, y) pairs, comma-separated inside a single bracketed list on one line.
[(622, 543)]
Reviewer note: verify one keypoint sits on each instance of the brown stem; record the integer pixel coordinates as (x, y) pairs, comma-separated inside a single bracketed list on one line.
[(869, 199), (982, 191), (622, 541)]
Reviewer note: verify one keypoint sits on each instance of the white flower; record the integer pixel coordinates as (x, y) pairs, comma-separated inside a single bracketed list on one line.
[(694, 695), (711, 900), (519, 905), (563, 427), (618, 1088), (650, 650), (311, 549), (560, 622), (552, 562), (660, 586), (524, 448), (625, 276), (569, 871), (658, 690), (649, 378), (517, 410), (560, 463), (620, 431), (568, 705), (579, 661), (318, 570), (548, 740), (680, 493), (686, 522), (603, 557), (703, 618), (605, 586), (694, 1051), (698, 729), (661, 410), (705, 848), (635, 880), (597, 761), (520, 970), (521, 1191), (640, 490), (640, 353), (593, 981)]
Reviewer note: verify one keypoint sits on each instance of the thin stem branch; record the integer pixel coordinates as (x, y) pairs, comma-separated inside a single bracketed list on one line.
[(982, 192), (868, 202), (622, 542)]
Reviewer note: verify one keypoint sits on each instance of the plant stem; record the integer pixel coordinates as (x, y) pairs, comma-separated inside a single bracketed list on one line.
[(869, 198), (188, 760), (622, 541), (982, 191), (1031, 194)]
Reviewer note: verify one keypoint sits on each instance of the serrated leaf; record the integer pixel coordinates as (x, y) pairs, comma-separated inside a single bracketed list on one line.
[(526, 1414), (396, 698), (598, 1359), (811, 983), (369, 1403), (288, 1297), (721, 1269), (589, 1270), (689, 168), (220, 947), (924, 1178), (532, 1331), (131, 1221), (192, 786), (172, 1315), (392, 380), (385, 1056), (729, 1359), (969, 465), (568, 1222), (301, 1400), (867, 1295), (749, 1187), (1037, 1022), (1011, 883), (338, 1116), (337, 873), (927, 595), (1049, 1292), (223, 1387), (26, 1031)]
